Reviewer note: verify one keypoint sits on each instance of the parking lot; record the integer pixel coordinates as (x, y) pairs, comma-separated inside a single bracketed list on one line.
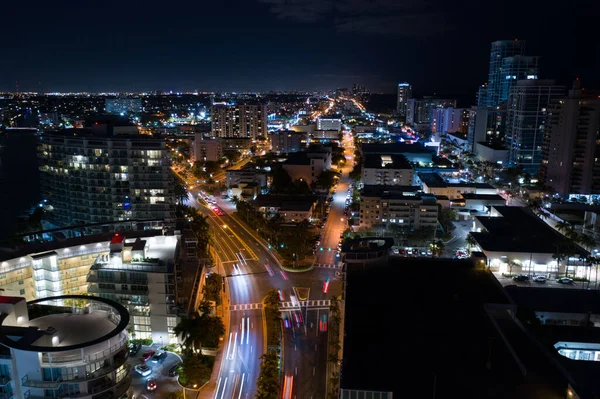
[(160, 373), (550, 283)]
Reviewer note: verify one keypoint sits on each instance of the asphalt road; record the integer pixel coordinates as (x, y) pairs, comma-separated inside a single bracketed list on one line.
[(251, 271)]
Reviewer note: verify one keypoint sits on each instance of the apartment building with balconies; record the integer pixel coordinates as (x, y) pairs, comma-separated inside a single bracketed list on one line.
[(390, 170), (140, 275), (406, 206), (62, 352), (91, 177)]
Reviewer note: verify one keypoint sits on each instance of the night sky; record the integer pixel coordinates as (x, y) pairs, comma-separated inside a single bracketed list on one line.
[(439, 46)]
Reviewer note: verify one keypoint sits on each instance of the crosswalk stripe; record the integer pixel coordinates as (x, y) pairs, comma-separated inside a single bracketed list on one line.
[(327, 266), (320, 303), (246, 306)]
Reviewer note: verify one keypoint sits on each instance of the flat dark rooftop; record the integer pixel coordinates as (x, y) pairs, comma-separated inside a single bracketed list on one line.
[(488, 197), (519, 230), (435, 180), (419, 319), (378, 190), (555, 300), (394, 148), (375, 161)]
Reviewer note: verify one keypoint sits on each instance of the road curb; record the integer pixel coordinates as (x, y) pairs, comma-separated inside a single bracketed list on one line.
[(293, 270)]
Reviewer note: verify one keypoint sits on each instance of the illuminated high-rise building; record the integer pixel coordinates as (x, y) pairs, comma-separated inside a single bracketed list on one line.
[(501, 49), (404, 93), (570, 163), (91, 177), (527, 108), (239, 121)]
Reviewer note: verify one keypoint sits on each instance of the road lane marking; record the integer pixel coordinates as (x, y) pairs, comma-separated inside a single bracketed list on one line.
[(242, 340), (234, 347), (228, 345), (218, 386), (242, 386), (224, 385), (248, 332)]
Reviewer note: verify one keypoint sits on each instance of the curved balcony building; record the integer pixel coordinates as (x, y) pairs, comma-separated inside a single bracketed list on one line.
[(74, 351)]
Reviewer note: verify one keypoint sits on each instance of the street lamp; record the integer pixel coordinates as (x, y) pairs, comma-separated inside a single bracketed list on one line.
[(194, 389)]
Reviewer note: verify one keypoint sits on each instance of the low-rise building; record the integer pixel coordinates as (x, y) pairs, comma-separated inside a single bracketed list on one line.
[(391, 170), (286, 141), (385, 205), (415, 153), (514, 240), (76, 351), (208, 149), (236, 177), (329, 123), (434, 184), (292, 209), (308, 165), (492, 153)]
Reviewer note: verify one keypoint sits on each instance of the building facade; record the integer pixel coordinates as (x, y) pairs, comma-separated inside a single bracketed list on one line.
[(285, 141), (92, 178), (140, 275), (500, 50), (527, 108), (239, 121), (390, 170), (382, 206), (449, 120), (207, 150), (329, 123), (404, 93), (78, 352), (570, 163), (420, 112)]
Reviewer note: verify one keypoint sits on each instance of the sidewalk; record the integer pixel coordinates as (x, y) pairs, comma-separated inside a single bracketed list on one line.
[(207, 391)]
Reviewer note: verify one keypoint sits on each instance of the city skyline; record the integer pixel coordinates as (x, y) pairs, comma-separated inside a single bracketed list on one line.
[(437, 47)]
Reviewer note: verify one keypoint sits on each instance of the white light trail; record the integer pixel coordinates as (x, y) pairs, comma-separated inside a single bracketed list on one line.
[(248, 333), (242, 340), (228, 345), (218, 386), (241, 386), (224, 385), (234, 347)]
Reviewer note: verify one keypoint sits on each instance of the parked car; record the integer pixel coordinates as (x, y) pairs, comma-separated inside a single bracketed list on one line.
[(174, 370), (143, 370), (540, 279), (151, 385), (565, 280), (159, 357), (521, 277), (134, 348), (147, 355)]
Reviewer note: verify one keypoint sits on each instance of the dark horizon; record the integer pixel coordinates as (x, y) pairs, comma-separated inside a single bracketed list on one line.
[(283, 45)]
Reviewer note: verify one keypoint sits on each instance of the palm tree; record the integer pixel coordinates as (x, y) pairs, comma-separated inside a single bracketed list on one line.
[(181, 194), (189, 329), (471, 241), (587, 242), (235, 199), (563, 226), (572, 235), (437, 248)]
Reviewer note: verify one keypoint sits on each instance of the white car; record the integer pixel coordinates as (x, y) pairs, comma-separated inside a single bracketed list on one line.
[(143, 369), (540, 279)]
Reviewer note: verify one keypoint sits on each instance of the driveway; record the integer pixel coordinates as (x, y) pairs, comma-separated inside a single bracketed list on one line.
[(160, 373)]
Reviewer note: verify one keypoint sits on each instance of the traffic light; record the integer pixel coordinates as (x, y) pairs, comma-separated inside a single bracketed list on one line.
[(321, 248), (281, 245), (269, 246), (329, 249)]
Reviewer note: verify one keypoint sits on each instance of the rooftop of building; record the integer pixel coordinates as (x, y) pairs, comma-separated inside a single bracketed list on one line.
[(394, 148), (485, 197), (285, 202), (538, 299), (493, 146), (379, 190), (90, 133), (7, 253), (393, 161), (53, 329), (442, 336), (435, 180), (519, 230), (297, 158)]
